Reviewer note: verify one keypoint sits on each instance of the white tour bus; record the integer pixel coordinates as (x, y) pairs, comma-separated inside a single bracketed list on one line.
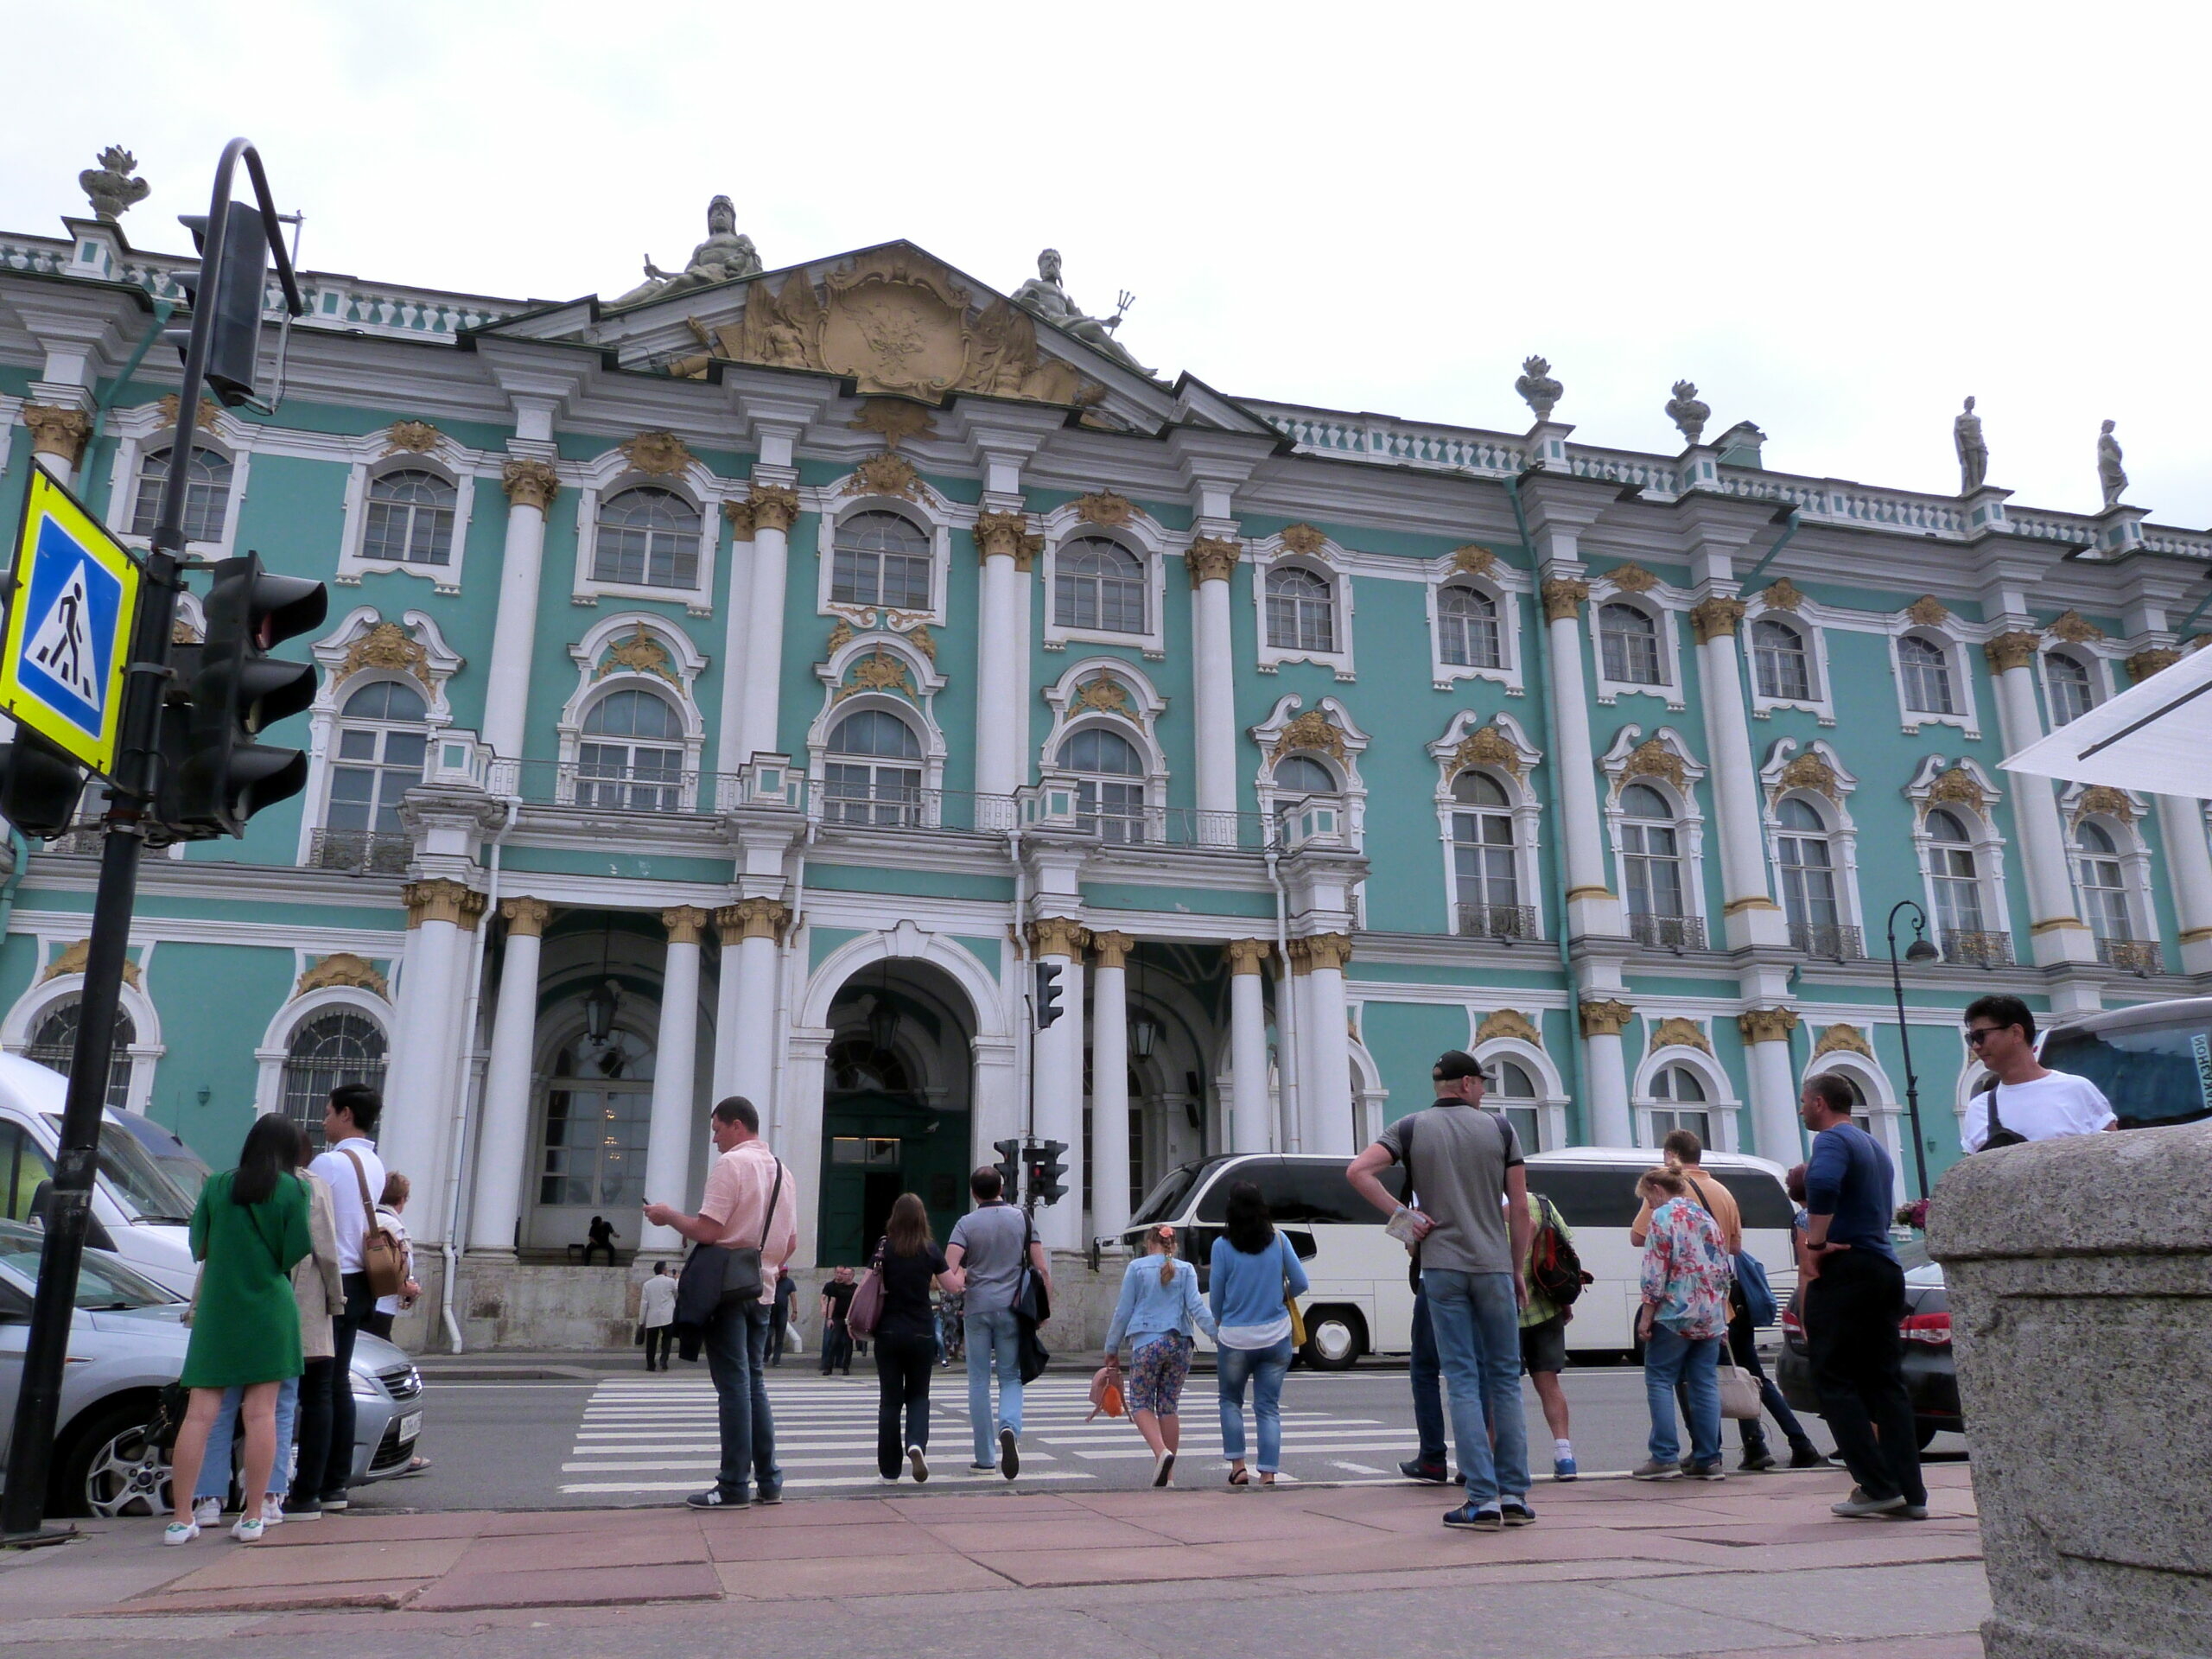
[(1361, 1300)]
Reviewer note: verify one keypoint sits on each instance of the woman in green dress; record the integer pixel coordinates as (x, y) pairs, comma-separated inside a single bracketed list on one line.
[(250, 1228)]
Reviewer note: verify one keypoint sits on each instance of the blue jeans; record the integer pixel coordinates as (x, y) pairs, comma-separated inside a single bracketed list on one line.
[(1265, 1367), (1477, 1325), (737, 1347), (993, 1335), (1670, 1357), (215, 1467), (1428, 1376)]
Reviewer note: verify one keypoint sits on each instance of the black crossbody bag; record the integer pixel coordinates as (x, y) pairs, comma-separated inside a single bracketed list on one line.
[(719, 1276)]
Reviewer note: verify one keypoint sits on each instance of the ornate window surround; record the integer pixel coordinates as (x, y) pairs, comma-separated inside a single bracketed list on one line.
[(33, 1005), (145, 428), (911, 699), (1959, 642), (1660, 602), (596, 676), (276, 1041), (1552, 1099), (1137, 532), (1721, 1101), (2097, 661), (348, 642), (1805, 619), (1136, 718), (925, 508), (606, 475), (1508, 760), (1281, 721), (380, 452), (2122, 819), (1474, 568), (1829, 797), (1690, 818), (1981, 821), (1308, 549)]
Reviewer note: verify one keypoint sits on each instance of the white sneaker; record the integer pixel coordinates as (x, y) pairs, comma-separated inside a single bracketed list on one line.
[(247, 1529), (272, 1511), (206, 1511), (180, 1532)]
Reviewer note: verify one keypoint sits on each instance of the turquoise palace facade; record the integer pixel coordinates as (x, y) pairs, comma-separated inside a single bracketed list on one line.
[(740, 687)]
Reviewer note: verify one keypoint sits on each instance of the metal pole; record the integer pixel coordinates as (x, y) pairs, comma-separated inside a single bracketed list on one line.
[(1904, 1037), (30, 1451)]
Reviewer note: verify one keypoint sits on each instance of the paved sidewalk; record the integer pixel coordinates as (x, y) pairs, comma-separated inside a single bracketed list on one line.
[(1748, 1568)]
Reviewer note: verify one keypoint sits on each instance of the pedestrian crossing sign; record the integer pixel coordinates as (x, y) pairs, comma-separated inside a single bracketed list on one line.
[(71, 598)]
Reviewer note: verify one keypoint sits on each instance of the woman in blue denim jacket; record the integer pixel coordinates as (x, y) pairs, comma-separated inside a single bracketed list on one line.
[(1253, 1272), (1159, 1306)]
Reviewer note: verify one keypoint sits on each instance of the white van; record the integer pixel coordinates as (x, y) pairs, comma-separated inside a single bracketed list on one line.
[(1361, 1300), (140, 1210)]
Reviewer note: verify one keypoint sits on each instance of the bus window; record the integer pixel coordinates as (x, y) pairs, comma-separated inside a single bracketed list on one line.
[(1588, 1195), (2150, 1074)]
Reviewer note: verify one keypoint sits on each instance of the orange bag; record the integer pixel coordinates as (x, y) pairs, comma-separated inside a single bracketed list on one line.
[(1106, 1392)]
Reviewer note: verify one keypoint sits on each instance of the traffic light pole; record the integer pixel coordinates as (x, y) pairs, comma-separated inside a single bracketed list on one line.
[(68, 1213)]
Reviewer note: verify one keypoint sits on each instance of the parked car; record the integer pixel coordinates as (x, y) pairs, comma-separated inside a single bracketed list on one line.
[(2154, 1063), (1929, 1377), (127, 1342)]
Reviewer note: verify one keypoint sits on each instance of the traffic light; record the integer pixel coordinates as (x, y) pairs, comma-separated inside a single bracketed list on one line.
[(1009, 1152), (225, 777), (1048, 994), (234, 331), (1048, 1164), (39, 784)]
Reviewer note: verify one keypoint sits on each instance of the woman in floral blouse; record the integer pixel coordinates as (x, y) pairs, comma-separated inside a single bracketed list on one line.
[(1683, 1324)]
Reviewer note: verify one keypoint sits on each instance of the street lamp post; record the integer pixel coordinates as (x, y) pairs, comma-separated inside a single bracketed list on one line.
[(1918, 950)]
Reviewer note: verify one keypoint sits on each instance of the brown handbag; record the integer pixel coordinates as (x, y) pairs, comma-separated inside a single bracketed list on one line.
[(384, 1258)]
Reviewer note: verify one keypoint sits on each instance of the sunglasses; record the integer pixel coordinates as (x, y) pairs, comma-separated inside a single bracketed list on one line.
[(1977, 1035)]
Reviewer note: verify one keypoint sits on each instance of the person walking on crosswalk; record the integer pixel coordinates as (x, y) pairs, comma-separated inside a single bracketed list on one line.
[(987, 1246), (1160, 1305), (1253, 1272), (905, 1336)]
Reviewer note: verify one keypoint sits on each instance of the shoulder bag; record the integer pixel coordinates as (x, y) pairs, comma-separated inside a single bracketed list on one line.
[(1033, 1305), (1739, 1395), (1998, 1135), (1290, 1301), (384, 1258), (866, 1310), (719, 1276)]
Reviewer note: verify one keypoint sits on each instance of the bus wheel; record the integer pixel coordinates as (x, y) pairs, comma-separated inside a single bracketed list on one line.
[(1335, 1337)]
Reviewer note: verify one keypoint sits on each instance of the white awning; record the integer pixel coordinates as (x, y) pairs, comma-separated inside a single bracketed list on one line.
[(2156, 737)]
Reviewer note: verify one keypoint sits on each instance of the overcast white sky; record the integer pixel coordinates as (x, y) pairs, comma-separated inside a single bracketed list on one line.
[(1837, 220)]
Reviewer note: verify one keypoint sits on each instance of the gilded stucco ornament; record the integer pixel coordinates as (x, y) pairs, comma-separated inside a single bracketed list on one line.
[(1604, 1016), (1104, 693), (1210, 558), (1710, 618), (1767, 1025), (1303, 539), (2075, 629), (923, 640), (1486, 746), (1927, 611), (73, 960), (893, 419), (410, 438), (109, 186), (1104, 508), (884, 474), (1810, 771), (209, 412), (880, 672), (739, 514), (2103, 799), (639, 654), (388, 645), (1564, 598), (2154, 660), (1843, 1040), (840, 636), (1678, 1032), (1688, 415), (1313, 731), (1782, 594), (529, 483), (58, 432), (1653, 759), (1537, 388), (1632, 578), (2014, 649), (657, 455), (345, 968), (1509, 1022), (1958, 788), (1473, 561)]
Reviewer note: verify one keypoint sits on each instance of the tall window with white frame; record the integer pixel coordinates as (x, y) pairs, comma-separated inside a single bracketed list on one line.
[(1466, 624), (1484, 862), (1301, 610), (2072, 694), (1517, 1098), (1629, 642), (631, 758), (648, 537), (53, 1045), (1954, 872), (873, 775), (1651, 856), (1781, 661), (2103, 881), (1098, 585), (881, 558), (1108, 782), (1297, 776), (1927, 668), (338, 1046), (206, 494), (410, 518), (1805, 854), (1679, 1103), (377, 759)]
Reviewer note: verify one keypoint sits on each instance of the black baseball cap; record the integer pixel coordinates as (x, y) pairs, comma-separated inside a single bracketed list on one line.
[(1454, 1063)]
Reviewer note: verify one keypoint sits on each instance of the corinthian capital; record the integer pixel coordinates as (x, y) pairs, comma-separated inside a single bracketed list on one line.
[(442, 900), (58, 432), (1717, 615), (1605, 1017), (1006, 535), (2010, 651), (753, 918), (1245, 955), (1564, 597), (526, 917), (774, 506), (685, 923), (1326, 952), (1058, 935), (1113, 949), (1210, 558), (739, 514), (530, 483), (1767, 1025)]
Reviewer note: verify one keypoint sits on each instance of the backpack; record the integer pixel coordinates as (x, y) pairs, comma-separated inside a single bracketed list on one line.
[(1555, 1270)]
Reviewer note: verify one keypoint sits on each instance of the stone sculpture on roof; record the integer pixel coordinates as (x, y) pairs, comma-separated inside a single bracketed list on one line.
[(111, 189), (1973, 454), (727, 254), (2110, 474), (1537, 388), (1045, 295), (1686, 412)]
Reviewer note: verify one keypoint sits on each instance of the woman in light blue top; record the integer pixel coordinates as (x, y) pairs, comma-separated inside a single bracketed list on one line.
[(1159, 1306), (1253, 1274)]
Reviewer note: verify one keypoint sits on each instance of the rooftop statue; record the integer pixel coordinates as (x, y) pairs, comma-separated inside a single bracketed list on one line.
[(2110, 474), (112, 190), (1537, 388), (725, 255), (1973, 454), (1044, 296), (1686, 412)]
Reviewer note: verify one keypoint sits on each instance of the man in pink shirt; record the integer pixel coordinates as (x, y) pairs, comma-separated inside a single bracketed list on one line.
[(749, 1200)]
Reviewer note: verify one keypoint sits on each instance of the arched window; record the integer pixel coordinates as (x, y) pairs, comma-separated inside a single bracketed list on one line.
[(1927, 668), (1097, 584), (1783, 665), (1807, 858), (1953, 868), (2104, 885), (378, 759), (410, 518), (1301, 610), (1629, 641), (1467, 620), (631, 756), (343, 1046), (1485, 868), (206, 494), (881, 558), (598, 1114), (2072, 694), (1862, 1114), (1517, 1099), (1651, 848), (1301, 774), (874, 775), (647, 539), (1110, 783), (1682, 1105), (53, 1045)]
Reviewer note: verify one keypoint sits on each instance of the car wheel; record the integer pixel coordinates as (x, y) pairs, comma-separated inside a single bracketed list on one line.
[(108, 1470), (1335, 1338)]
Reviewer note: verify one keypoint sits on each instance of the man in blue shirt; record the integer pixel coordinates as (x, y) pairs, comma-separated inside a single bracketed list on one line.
[(1852, 1307)]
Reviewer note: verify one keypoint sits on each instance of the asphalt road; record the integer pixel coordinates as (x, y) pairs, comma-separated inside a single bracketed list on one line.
[(627, 1439)]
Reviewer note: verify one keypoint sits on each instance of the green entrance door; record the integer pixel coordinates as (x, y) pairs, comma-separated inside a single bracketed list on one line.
[(874, 1146)]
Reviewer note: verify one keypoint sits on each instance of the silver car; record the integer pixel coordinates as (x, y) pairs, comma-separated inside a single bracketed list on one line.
[(126, 1342)]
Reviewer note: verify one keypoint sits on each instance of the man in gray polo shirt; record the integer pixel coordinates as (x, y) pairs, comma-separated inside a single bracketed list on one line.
[(986, 1249), (1468, 1215)]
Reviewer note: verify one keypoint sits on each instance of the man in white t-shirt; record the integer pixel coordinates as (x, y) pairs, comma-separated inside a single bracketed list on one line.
[(2031, 1100)]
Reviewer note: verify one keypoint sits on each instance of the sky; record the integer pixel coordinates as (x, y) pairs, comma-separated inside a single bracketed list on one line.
[(1837, 222)]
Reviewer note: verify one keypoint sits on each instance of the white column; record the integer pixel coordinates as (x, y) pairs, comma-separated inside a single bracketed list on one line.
[(2055, 930), (798, 1142), (1109, 1086), (997, 1111), (1609, 1121), (774, 506), (1751, 915), (1211, 560), (1252, 1111), (412, 1136), (1001, 661), (2189, 870), (744, 1004), (736, 626), (503, 1144), (531, 485), (1326, 1088), (1057, 1085), (674, 1135), (1774, 1088), (1591, 907), (58, 434)]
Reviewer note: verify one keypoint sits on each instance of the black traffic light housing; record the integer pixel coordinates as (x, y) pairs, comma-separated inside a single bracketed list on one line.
[(224, 776), (1048, 1164), (234, 335), (1009, 1152), (1048, 994), (39, 784)]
